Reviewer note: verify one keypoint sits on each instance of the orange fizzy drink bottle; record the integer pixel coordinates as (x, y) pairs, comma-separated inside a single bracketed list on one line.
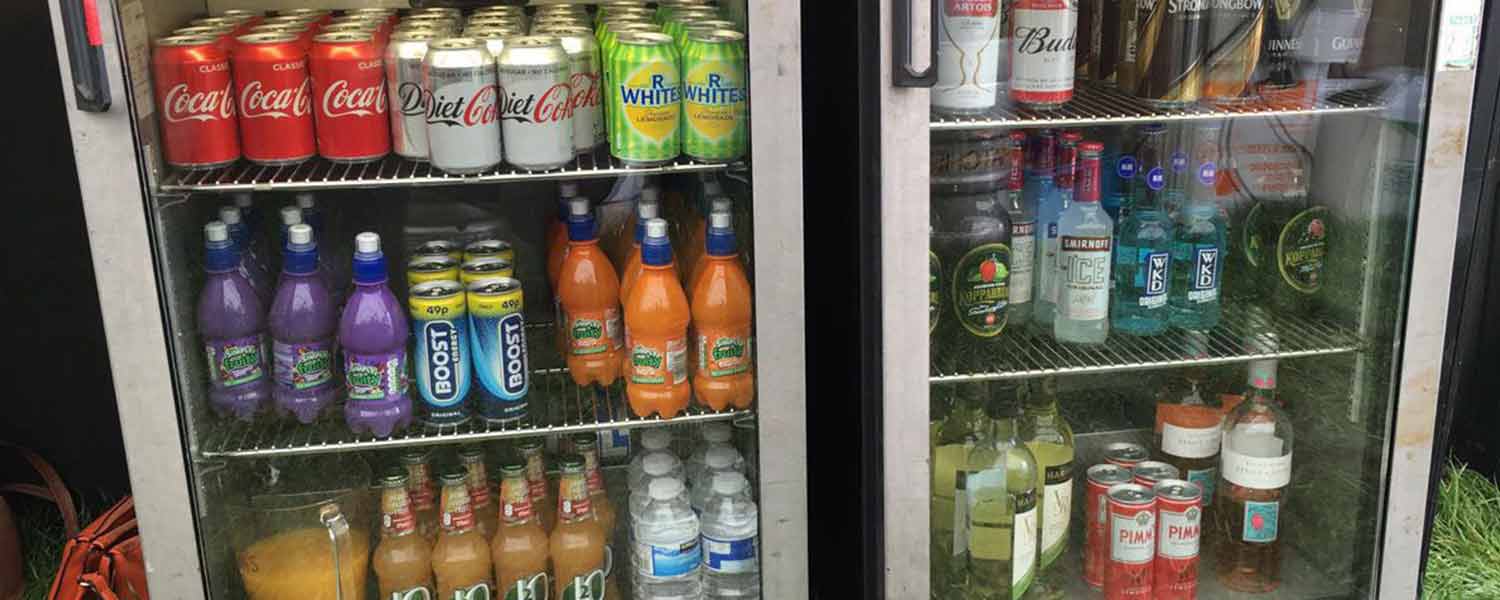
[(724, 365), (589, 293), (557, 249), (657, 314)]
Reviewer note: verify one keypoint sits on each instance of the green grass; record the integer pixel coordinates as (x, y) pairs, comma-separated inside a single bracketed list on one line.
[(42, 537), (1464, 558)]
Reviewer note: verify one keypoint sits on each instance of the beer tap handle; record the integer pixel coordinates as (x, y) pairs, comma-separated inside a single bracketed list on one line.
[(80, 19), (913, 48)]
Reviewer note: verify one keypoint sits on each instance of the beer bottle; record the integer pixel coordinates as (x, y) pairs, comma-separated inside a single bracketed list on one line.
[(577, 544), (480, 498), (519, 549), (536, 479), (403, 560), (587, 446), (420, 490), (461, 558)]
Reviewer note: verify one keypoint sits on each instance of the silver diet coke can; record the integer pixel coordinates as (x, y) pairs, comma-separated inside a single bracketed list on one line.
[(587, 103), (537, 123), (403, 79), (463, 115)]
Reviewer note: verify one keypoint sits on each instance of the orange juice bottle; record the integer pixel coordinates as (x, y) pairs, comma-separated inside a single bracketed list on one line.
[(557, 248), (657, 315), (587, 446), (542, 500), (577, 543), (590, 295), (520, 547), (461, 557), (422, 492), (403, 560), (480, 498), (694, 263), (724, 369), (650, 194)]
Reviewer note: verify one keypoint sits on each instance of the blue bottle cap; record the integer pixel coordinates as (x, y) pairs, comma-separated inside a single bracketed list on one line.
[(580, 220), (369, 262), (301, 252), (721, 240), (221, 254), (645, 210), (656, 249)]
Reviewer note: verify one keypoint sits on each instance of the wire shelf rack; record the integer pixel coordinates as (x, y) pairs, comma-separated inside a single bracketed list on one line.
[(394, 171), (557, 406), (1096, 104), (1238, 338)]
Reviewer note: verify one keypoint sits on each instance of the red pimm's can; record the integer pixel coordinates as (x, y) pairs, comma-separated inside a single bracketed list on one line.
[(1125, 454), (195, 99), (1132, 542), (1149, 472), (275, 99), (348, 76), (1179, 514), (1101, 477)]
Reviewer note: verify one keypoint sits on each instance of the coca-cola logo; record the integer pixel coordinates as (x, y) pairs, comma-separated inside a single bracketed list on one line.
[(552, 106), (586, 91), (1038, 40), (414, 99), (475, 110), (285, 103), (181, 104), (341, 100)]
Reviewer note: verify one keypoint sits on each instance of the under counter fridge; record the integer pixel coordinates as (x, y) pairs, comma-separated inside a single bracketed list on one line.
[(1185, 268), (263, 191)]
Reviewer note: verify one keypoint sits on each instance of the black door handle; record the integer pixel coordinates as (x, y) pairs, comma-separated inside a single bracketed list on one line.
[(913, 47), (86, 54)]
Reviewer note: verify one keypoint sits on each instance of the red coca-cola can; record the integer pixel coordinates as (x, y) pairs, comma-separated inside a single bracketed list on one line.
[(195, 102), (302, 31), (1132, 542), (1101, 477), (321, 15), (223, 35), (389, 14), (374, 25), (313, 23), (254, 17), (239, 24), (1125, 454), (348, 76), (274, 99), (1179, 515)]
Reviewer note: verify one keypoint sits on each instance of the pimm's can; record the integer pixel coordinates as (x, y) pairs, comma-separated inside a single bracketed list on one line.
[(1179, 515), (715, 97), (1132, 542), (500, 361), (441, 331), (1101, 477), (1125, 454), (646, 99), (1149, 472)]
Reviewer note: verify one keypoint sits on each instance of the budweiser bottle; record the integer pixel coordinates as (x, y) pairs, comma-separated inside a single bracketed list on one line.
[(536, 122), (403, 80), (463, 120), (275, 99), (972, 50), (1043, 34), (195, 98), (349, 83)]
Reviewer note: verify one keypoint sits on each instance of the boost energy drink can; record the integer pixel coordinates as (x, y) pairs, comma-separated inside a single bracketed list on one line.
[(441, 328), (425, 268), (439, 248), (490, 249), (485, 268), (500, 362)]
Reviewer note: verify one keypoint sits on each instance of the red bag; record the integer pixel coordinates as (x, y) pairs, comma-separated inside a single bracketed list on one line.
[(105, 560)]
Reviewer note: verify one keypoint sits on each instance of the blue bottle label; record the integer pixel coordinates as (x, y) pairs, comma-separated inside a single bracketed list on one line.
[(1260, 522), (1156, 179), (442, 362), (1153, 277), (671, 560), (1127, 167), (1179, 161), (305, 365), (236, 361), (1205, 480), (1207, 173), (375, 376), (729, 555), (1204, 285)]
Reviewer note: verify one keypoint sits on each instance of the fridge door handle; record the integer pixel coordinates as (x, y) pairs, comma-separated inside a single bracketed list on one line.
[(913, 46), (85, 44)]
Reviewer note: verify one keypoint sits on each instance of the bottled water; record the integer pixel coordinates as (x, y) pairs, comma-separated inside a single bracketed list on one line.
[(712, 434), (667, 553), (657, 466), (653, 442), (731, 540), (720, 459)]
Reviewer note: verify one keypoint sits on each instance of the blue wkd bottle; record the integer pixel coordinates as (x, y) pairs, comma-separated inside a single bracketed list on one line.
[(1199, 243), (1047, 202), (1143, 260)]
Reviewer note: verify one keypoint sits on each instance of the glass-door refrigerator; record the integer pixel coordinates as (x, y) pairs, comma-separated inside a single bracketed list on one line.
[(1185, 269), (450, 299)]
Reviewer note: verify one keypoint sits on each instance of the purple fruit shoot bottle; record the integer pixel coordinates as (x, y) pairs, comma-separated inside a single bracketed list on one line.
[(250, 265), (373, 332), (232, 325), (303, 322)]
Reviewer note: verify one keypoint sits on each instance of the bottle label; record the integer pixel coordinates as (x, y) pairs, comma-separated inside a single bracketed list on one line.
[(735, 555), (594, 331), (1301, 248), (1190, 442), (934, 290), (396, 517), (1261, 520), (236, 361), (1179, 533), (1153, 272), (664, 361), (987, 515), (981, 289), (515, 497), (567, 507), (1048, 271), (1256, 472), (1203, 286), (478, 483), (375, 376), (1057, 496), (1205, 478), (670, 560), (1126, 167), (419, 487), (589, 586), (1156, 179), (533, 587), (1083, 267), (458, 514), (723, 351), (478, 591), (591, 471), (303, 366), (1022, 258), (1132, 537), (536, 478), (1023, 564), (416, 593)]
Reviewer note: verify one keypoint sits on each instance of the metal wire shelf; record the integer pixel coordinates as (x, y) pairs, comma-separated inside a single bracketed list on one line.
[(319, 174), (557, 406), (1097, 104), (1025, 354)]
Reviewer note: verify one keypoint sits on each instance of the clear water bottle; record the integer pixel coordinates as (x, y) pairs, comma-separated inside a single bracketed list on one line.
[(653, 442), (656, 466), (666, 553), (712, 434), (731, 541), (719, 459)]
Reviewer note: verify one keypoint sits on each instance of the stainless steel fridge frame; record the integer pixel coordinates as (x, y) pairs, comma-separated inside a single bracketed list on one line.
[(118, 181), (905, 33)]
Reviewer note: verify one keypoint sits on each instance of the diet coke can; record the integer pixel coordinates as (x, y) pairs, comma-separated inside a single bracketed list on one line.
[(349, 85), (463, 111), (1041, 52), (275, 99), (536, 122), (1132, 542), (587, 102), (1101, 477), (493, 38), (403, 79), (195, 97), (1179, 516)]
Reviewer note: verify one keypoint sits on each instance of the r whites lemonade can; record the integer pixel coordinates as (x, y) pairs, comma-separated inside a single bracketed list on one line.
[(500, 363), (441, 330), (646, 99), (715, 100)]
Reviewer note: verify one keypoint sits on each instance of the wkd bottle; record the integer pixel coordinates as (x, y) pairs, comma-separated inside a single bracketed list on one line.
[(1143, 260), (1047, 200), (1198, 243), (1086, 234)]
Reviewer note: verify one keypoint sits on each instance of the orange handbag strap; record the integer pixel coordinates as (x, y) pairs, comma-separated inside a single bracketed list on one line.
[(54, 489)]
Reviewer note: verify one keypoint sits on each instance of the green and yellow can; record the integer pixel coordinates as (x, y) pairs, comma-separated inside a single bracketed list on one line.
[(485, 268), (715, 96), (491, 248), (435, 267), (645, 99)]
